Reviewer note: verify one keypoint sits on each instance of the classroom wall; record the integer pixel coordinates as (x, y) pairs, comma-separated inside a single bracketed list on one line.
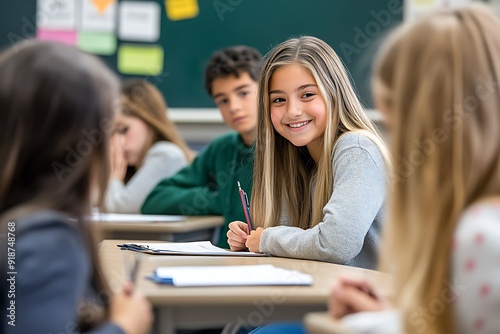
[(353, 28), (188, 36), (189, 33)]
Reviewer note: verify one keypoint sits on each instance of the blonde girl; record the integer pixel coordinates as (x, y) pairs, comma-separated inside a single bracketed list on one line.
[(319, 178), (437, 82), (146, 148)]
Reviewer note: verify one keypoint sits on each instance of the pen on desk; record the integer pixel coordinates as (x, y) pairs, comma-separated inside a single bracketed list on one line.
[(135, 268), (246, 206)]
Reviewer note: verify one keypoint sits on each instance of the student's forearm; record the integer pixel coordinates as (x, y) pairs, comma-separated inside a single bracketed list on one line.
[(120, 199), (311, 244)]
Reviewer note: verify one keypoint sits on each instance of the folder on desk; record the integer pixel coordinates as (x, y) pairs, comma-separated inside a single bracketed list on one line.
[(251, 275), (184, 248)]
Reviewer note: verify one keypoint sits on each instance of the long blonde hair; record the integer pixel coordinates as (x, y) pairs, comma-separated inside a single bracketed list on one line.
[(142, 100), (283, 172), (441, 74)]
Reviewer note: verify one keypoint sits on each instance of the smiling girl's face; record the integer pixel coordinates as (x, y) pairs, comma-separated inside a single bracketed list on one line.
[(298, 110)]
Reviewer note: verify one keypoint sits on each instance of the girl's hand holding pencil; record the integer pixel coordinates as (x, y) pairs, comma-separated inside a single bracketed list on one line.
[(241, 236), (237, 235), (351, 294), (129, 309), (239, 239), (253, 240)]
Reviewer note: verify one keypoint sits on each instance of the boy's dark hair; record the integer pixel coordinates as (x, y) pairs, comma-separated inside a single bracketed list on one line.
[(234, 60)]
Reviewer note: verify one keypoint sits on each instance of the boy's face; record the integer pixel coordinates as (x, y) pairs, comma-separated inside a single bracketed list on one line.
[(236, 98)]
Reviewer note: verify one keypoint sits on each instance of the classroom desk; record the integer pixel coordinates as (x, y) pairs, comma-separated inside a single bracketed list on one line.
[(210, 307), (194, 228)]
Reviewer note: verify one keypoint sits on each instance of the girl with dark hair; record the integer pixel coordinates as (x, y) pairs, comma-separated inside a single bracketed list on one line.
[(56, 107)]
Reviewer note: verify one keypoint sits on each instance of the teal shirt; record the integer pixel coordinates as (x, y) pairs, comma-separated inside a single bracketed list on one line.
[(209, 185)]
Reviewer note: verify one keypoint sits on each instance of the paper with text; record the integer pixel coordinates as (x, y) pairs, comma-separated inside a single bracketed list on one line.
[(139, 21), (98, 16), (184, 248), (56, 14)]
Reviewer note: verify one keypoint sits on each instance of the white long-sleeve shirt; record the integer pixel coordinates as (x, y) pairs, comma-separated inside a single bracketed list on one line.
[(476, 268)]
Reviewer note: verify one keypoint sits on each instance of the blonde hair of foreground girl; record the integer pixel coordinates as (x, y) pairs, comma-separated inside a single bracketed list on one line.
[(433, 73)]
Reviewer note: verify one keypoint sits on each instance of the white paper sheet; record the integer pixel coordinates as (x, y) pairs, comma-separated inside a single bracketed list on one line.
[(99, 15), (413, 9), (134, 218), (56, 14), (186, 248), (233, 276), (139, 21), (191, 247)]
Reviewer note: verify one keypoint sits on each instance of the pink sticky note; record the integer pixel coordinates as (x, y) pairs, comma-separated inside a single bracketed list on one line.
[(62, 36)]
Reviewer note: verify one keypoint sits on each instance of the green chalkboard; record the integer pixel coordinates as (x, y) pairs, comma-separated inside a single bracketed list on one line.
[(352, 27)]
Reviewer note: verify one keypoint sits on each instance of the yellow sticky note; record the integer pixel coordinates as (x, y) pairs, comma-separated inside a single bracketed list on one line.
[(101, 5), (139, 59), (181, 9)]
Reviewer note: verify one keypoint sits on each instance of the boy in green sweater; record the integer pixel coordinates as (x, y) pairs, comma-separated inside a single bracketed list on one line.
[(209, 185)]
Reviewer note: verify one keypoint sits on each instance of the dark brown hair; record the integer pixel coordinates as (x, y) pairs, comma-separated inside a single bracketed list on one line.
[(234, 60), (56, 105)]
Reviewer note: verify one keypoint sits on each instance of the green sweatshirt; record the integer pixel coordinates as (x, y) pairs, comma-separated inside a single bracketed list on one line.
[(209, 185)]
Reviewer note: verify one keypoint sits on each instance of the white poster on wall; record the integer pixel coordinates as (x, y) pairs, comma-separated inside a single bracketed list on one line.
[(56, 14), (98, 15), (139, 21), (416, 8), (496, 5)]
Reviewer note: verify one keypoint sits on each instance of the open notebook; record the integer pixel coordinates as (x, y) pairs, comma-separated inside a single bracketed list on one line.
[(183, 248), (252, 275)]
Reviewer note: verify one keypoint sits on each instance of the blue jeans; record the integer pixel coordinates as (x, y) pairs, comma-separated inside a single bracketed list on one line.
[(281, 328)]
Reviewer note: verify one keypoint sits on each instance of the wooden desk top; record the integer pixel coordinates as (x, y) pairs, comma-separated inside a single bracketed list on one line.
[(112, 258), (192, 223)]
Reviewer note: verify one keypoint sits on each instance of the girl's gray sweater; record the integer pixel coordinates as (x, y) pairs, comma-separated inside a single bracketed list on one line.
[(350, 230)]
